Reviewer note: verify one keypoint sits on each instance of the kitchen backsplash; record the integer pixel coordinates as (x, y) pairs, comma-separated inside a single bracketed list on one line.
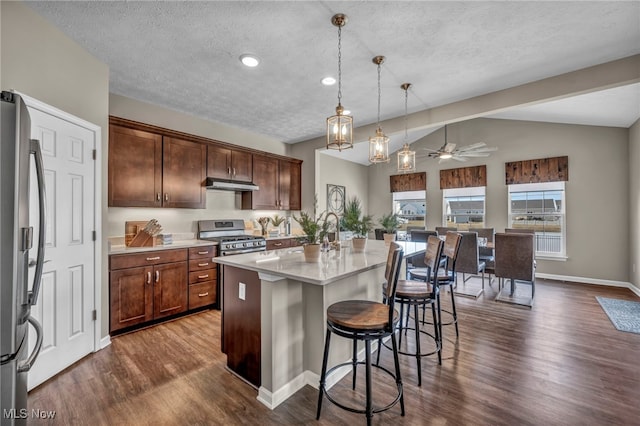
[(220, 205)]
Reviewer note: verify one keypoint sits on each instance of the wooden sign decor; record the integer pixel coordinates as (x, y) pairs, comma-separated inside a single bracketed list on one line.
[(408, 182), (555, 169), (463, 177)]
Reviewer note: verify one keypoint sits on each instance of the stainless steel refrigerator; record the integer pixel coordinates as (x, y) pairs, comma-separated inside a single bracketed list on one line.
[(21, 248)]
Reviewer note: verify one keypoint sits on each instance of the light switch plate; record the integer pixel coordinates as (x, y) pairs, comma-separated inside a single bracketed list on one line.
[(242, 291)]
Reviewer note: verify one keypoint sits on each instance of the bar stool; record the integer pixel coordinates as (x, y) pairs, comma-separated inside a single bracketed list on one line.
[(446, 274), (421, 294), (365, 320)]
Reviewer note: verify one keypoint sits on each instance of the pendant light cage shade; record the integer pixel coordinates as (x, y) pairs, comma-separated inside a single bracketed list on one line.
[(406, 160), (379, 144), (406, 157), (339, 130), (339, 126), (379, 148)]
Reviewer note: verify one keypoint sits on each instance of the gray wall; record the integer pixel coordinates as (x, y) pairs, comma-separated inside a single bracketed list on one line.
[(596, 194), (40, 61), (353, 176), (634, 200)]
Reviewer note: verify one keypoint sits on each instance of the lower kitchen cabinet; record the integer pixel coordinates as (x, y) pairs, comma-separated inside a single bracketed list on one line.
[(281, 243), (147, 286), (203, 277)]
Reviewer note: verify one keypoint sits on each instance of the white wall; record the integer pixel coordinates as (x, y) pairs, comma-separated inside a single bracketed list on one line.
[(597, 190), (354, 177), (634, 201), (39, 60)]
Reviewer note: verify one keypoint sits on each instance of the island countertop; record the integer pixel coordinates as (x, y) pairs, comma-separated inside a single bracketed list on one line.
[(334, 265)]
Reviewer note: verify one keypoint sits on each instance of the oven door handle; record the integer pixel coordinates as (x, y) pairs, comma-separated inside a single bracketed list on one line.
[(249, 250)]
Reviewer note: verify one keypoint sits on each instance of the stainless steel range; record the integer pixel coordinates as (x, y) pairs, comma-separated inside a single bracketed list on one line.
[(230, 236)]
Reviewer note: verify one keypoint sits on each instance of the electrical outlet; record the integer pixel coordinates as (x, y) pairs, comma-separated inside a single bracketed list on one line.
[(242, 291)]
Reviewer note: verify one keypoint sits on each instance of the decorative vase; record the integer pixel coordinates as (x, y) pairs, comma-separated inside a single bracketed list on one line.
[(358, 244), (388, 238), (312, 253)]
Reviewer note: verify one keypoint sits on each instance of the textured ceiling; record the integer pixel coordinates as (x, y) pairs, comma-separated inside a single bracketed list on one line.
[(184, 55)]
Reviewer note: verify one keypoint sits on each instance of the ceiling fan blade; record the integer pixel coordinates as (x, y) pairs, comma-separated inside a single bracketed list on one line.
[(472, 154), (458, 158), (472, 146)]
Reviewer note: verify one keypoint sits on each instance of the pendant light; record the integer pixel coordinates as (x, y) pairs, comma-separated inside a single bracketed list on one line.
[(406, 157), (339, 126), (379, 144)]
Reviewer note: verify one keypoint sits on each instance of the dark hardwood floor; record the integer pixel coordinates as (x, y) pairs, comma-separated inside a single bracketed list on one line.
[(560, 363)]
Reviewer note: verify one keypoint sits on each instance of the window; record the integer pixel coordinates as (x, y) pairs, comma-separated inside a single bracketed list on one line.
[(463, 208), (541, 207), (411, 207)]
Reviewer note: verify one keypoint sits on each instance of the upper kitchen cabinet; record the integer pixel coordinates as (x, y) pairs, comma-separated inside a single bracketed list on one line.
[(147, 169), (279, 182), (225, 163)]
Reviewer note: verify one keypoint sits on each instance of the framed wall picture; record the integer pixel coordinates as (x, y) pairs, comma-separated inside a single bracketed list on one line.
[(335, 198)]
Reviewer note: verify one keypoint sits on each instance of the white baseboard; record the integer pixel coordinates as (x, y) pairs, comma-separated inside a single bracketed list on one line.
[(584, 280), (105, 341), (307, 377)]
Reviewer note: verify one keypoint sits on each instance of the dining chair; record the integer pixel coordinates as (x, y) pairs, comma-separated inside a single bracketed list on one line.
[(418, 294), (368, 321), (379, 233), (468, 262), (485, 253), (515, 260), (442, 230)]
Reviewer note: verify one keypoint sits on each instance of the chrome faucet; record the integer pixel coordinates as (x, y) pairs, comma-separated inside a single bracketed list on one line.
[(337, 233)]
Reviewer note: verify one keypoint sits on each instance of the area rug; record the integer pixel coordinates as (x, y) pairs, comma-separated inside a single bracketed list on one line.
[(624, 314)]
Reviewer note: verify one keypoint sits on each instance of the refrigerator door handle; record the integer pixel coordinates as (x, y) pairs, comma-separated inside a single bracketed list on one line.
[(34, 148), (28, 363)]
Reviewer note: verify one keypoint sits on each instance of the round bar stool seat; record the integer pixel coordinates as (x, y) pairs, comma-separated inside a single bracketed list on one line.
[(367, 321)]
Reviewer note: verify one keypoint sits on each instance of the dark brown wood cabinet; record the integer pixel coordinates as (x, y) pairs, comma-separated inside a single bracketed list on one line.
[(147, 286), (149, 170), (225, 163), (281, 243), (203, 280), (279, 182)]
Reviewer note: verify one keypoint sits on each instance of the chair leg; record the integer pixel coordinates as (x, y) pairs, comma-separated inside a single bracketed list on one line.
[(323, 372), (436, 332), (379, 350), (398, 377), (453, 311), (439, 321), (400, 322), (354, 363), (369, 407), (418, 357)]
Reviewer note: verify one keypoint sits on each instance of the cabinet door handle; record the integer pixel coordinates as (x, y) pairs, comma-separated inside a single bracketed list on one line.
[(203, 264), (203, 294), (158, 197), (277, 244), (203, 252), (166, 196), (234, 172), (153, 258), (157, 276), (228, 170), (202, 277), (149, 277)]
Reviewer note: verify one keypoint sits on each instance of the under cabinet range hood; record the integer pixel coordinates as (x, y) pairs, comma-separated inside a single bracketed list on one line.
[(231, 185)]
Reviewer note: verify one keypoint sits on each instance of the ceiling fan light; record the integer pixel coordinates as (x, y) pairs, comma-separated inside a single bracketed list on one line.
[(445, 155)]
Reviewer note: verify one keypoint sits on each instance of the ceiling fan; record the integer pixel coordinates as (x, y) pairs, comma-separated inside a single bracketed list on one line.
[(448, 151)]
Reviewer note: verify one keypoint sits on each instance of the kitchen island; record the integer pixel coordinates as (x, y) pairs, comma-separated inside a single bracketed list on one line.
[(274, 312)]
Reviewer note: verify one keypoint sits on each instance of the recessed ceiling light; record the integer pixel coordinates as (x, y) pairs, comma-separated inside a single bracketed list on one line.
[(328, 81), (249, 60)]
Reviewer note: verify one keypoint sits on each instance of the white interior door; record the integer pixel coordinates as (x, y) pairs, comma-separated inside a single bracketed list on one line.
[(66, 302)]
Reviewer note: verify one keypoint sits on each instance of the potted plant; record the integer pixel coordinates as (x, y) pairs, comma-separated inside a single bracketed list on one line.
[(277, 221), (390, 222), (315, 231), (353, 220)]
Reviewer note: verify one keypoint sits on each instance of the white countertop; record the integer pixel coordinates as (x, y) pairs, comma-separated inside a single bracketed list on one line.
[(122, 249), (333, 266)]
